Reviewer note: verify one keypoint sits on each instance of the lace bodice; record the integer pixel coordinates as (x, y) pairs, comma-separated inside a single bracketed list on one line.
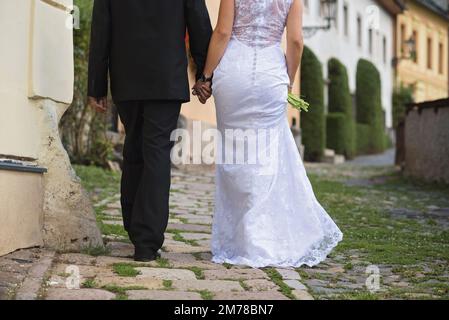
[(260, 23)]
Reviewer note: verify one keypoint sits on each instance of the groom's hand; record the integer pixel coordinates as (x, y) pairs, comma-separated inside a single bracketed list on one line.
[(99, 104), (203, 90)]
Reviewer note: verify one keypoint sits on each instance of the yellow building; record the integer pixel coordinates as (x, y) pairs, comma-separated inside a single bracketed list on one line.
[(427, 23)]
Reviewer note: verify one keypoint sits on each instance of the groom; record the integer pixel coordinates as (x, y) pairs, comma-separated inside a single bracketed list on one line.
[(141, 44)]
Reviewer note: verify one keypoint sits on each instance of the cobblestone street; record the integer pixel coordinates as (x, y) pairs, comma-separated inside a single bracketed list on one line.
[(396, 242), (183, 272)]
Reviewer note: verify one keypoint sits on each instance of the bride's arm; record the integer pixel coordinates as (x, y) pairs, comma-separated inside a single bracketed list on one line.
[(220, 37), (295, 41)]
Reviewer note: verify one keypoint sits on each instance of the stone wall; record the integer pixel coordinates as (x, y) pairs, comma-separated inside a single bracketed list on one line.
[(427, 141)]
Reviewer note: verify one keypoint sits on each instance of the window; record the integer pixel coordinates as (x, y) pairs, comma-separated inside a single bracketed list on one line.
[(429, 53), (403, 38), (346, 19), (384, 49), (370, 41), (321, 9), (441, 58), (359, 31), (416, 38)]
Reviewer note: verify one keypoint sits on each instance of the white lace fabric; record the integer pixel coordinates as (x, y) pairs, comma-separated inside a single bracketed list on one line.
[(264, 219), (260, 23)]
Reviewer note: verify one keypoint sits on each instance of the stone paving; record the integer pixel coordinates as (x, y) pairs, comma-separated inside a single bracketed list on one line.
[(185, 272), (384, 159), (14, 269)]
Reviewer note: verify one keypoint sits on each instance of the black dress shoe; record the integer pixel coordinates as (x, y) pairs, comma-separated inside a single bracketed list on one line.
[(148, 256)]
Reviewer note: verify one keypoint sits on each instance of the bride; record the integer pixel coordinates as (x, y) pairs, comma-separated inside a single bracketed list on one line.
[(266, 212)]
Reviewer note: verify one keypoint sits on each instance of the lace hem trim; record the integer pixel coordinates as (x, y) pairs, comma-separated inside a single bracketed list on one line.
[(317, 254)]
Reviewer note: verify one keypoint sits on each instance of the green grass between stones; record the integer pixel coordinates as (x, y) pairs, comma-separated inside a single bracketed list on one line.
[(206, 294), (167, 284), (96, 251), (120, 292), (125, 270), (277, 279)]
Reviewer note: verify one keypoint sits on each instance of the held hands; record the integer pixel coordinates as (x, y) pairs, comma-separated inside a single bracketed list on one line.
[(99, 104), (202, 90)]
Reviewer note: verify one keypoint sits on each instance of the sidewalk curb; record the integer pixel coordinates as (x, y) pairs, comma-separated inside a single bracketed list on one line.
[(33, 282)]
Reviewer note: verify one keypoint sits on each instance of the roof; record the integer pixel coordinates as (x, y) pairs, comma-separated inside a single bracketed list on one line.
[(394, 7), (441, 7), (436, 104)]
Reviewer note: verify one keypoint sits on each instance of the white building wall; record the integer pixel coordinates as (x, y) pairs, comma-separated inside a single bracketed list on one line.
[(336, 44)]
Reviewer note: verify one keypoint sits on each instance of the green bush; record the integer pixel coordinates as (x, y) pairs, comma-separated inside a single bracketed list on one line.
[(402, 96), (340, 101), (313, 122), (388, 143), (368, 92), (369, 104), (336, 129), (363, 138), (339, 92)]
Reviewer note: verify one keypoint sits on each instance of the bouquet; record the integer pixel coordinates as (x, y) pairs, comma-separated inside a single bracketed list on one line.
[(298, 103)]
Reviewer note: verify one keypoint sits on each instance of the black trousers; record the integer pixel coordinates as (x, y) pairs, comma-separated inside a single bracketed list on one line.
[(145, 185)]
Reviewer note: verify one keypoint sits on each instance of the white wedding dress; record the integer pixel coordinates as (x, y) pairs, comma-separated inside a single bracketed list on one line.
[(266, 213)]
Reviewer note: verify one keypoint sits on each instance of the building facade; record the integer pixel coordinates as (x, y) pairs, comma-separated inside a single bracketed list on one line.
[(364, 29), (427, 23)]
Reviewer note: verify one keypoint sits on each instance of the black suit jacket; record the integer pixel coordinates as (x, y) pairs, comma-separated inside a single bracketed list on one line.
[(142, 45)]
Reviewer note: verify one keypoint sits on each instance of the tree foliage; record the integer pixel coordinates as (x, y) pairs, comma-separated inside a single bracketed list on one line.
[(83, 131), (402, 96)]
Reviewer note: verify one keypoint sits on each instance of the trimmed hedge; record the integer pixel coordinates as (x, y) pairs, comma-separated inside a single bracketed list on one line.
[(313, 122), (340, 101), (339, 93), (369, 105), (363, 138), (388, 143), (337, 132), (368, 92)]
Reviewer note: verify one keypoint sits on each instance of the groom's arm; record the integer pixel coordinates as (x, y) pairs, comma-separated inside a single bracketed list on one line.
[(99, 49), (200, 32)]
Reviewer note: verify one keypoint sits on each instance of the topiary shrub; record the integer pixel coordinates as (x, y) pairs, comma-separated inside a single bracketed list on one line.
[(339, 93), (336, 132), (340, 101), (388, 143), (363, 138), (369, 104), (313, 122)]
